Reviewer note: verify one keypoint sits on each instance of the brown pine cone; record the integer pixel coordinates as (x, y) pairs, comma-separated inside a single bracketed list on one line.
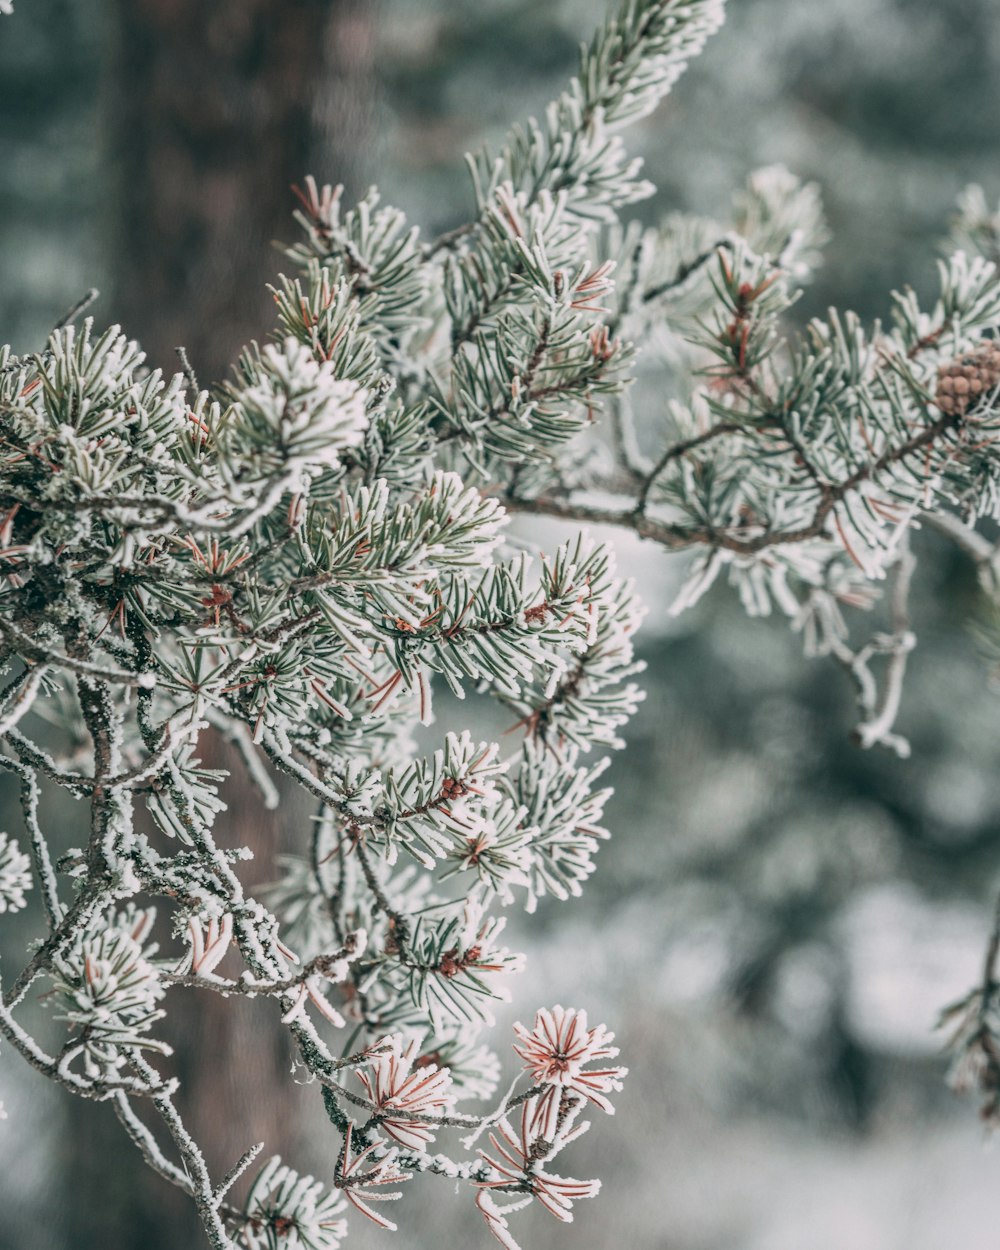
[(965, 380)]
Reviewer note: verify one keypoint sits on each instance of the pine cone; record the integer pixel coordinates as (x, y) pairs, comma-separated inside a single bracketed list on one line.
[(965, 380)]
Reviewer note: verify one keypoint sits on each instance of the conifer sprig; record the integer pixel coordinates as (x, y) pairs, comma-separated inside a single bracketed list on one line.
[(302, 557)]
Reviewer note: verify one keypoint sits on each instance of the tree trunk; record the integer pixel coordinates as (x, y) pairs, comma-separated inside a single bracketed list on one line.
[(219, 106)]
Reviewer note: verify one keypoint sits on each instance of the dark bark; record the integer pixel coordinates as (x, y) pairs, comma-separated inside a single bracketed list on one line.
[(219, 106)]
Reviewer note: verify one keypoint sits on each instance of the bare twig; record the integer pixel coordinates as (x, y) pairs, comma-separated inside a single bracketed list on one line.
[(879, 707), (81, 306)]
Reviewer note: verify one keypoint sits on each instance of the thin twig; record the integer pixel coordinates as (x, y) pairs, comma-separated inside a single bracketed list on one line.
[(81, 306)]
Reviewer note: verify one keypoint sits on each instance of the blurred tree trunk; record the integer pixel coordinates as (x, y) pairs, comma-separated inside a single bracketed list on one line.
[(221, 106), (218, 107)]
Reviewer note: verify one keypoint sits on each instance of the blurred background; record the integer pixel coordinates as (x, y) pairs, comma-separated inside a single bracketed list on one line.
[(779, 916)]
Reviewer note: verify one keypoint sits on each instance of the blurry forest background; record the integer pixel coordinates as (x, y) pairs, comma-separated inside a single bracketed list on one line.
[(779, 916)]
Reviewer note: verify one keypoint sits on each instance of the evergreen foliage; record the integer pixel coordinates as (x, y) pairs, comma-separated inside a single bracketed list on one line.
[(299, 557)]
